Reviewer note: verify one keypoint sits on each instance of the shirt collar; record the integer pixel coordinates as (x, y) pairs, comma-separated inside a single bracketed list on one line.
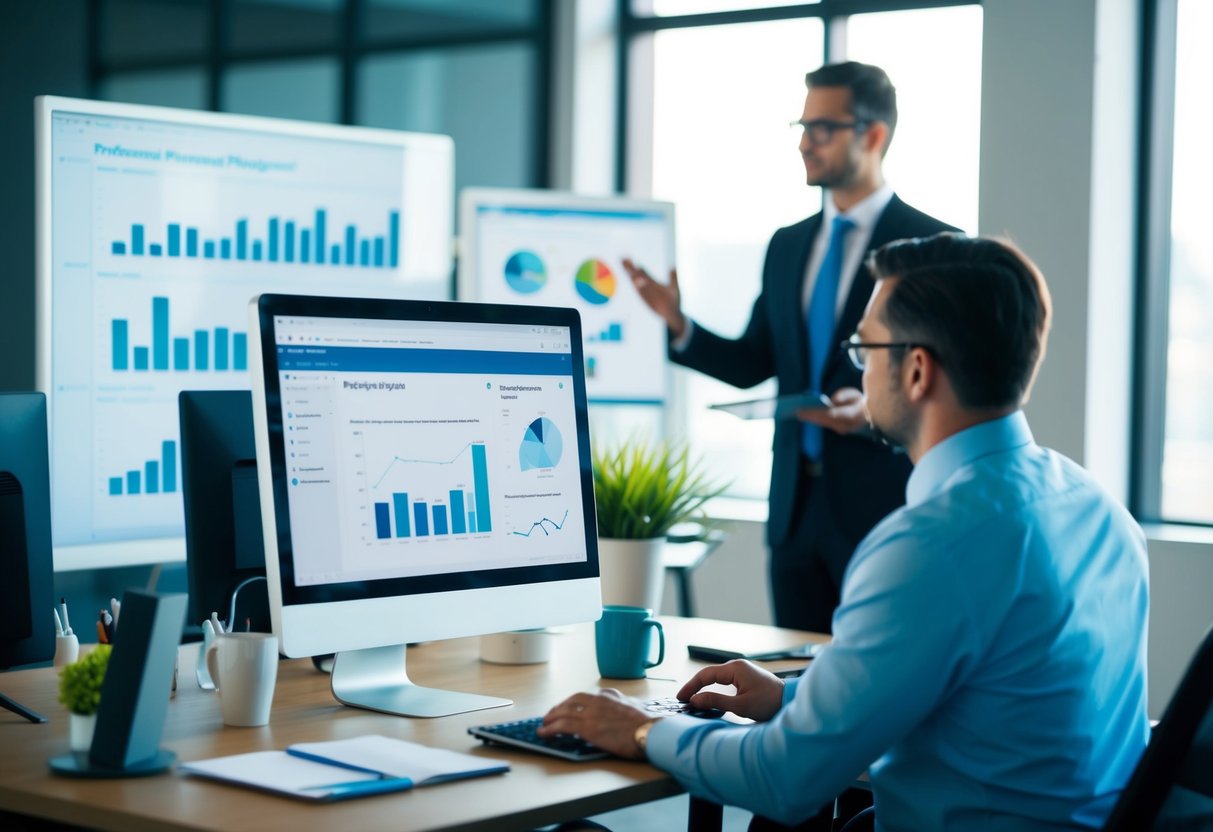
[(864, 213), (964, 448)]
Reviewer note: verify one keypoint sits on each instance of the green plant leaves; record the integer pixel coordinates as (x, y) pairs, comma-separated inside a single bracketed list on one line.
[(80, 681), (641, 490)]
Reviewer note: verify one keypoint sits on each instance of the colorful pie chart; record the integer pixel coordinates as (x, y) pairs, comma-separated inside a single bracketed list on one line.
[(525, 272), (541, 446), (595, 282)]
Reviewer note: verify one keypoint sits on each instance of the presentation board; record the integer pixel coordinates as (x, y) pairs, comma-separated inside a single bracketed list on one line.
[(549, 248), (155, 227)]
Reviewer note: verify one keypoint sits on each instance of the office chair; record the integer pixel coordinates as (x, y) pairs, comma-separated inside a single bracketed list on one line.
[(1180, 753)]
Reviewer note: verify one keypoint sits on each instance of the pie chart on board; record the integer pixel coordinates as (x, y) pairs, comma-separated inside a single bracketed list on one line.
[(542, 445), (525, 272), (595, 282)]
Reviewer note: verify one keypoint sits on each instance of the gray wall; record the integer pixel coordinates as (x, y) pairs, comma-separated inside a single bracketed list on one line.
[(42, 51)]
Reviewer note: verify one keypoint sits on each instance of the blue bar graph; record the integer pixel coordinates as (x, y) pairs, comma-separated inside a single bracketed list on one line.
[(472, 522), (480, 479), (168, 352), (285, 241), (421, 519), (383, 522), (458, 526), (157, 476), (401, 507)]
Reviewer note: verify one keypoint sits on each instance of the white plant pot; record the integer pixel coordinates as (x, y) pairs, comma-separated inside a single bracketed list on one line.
[(632, 572), (80, 731)]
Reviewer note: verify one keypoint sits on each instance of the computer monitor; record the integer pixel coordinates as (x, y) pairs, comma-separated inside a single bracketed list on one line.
[(26, 589), (154, 228), (561, 249), (425, 474), (224, 544)]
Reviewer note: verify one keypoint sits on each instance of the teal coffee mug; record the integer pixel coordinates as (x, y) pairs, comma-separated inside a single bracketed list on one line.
[(624, 639)]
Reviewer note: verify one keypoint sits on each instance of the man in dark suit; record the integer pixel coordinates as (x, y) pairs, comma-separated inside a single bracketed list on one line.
[(831, 481)]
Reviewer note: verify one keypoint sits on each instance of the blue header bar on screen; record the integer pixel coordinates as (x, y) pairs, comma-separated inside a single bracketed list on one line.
[(380, 360), (612, 213)]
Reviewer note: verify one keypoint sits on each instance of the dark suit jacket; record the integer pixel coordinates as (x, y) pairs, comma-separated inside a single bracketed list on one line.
[(864, 480)]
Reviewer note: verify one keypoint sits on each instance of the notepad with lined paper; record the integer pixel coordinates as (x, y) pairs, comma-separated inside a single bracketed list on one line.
[(342, 769)]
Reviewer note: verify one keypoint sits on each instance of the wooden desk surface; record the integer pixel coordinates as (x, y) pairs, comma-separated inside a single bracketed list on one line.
[(538, 790)]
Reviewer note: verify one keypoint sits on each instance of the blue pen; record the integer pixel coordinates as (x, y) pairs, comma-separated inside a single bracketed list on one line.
[(360, 788)]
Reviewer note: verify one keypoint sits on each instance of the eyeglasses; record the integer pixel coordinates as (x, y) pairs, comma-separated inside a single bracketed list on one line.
[(821, 130), (858, 350)]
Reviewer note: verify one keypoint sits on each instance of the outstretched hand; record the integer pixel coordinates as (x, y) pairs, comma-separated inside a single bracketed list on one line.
[(846, 413), (759, 693), (664, 299)]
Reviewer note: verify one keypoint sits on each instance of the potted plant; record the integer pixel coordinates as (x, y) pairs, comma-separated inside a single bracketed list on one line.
[(641, 490), (80, 690)]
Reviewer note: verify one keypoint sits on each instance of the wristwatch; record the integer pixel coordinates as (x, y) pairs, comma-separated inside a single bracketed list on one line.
[(641, 735)]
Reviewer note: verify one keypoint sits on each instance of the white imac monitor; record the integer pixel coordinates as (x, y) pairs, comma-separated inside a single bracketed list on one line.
[(561, 249), (425, 474), (154, 228)]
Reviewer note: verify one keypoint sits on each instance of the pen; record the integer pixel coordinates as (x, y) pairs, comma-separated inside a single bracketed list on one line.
[(115, 608), (107, 621), (216, 623), (58, 624), (101, 637), (67, 625)]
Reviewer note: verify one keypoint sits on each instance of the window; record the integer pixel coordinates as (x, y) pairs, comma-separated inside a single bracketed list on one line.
[(1177, 451), (722, 152)]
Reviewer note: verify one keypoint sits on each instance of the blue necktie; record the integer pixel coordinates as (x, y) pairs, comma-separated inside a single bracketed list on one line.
[(821, 321)]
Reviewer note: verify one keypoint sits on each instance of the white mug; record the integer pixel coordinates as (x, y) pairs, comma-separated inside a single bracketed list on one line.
[(244, 667)]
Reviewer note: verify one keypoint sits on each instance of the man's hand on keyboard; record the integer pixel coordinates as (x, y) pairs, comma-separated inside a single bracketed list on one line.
[(608, 719), (759, 693)]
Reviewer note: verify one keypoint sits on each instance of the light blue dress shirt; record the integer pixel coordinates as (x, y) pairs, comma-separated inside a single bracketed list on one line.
[(988, 665)]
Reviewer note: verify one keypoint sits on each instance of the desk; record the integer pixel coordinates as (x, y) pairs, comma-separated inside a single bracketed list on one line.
[(537, 791)]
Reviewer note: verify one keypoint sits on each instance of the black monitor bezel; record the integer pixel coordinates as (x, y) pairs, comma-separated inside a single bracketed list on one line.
[(24, 453), (271, 306)]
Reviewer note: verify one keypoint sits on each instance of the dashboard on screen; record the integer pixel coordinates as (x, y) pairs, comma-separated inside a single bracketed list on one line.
[(560, 249), (155, 227)]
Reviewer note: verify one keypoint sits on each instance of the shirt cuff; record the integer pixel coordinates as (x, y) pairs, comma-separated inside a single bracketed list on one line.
[(789, 689), (665, 738), (680, 343)]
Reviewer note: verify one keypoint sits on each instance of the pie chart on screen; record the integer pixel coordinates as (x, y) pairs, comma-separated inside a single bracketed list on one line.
[(595, 282), (525, 272), (541, 446)]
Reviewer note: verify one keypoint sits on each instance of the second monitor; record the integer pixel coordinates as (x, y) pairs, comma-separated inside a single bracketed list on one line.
[(425, 474)]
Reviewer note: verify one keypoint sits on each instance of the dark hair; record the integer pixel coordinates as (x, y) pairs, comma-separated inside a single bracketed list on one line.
[(873, 97), (980, 305)]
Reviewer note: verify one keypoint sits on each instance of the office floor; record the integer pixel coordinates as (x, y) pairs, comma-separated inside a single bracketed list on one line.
[(665, 816)]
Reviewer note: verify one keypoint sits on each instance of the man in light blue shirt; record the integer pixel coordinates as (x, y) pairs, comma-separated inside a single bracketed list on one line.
[(988, 666)]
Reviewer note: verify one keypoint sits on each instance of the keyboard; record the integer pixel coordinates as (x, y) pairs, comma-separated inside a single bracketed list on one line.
[(523, 733)]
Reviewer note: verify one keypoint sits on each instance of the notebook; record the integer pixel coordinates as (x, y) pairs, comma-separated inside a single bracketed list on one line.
[(342, 769)]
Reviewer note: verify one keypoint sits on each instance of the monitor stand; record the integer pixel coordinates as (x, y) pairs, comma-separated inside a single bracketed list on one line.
[(376, 679), (19, 709)]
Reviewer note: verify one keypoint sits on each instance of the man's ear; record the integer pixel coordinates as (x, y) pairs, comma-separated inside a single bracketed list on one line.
[(919, 374), (875, 135)]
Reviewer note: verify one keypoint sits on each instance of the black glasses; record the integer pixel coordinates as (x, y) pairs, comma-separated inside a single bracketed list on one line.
[(858, 350), (821, 130)]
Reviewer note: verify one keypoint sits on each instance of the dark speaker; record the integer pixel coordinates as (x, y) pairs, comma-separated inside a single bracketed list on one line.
[(136, 691)]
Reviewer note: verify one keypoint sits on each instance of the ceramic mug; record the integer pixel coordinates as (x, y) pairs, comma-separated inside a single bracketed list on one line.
[(624, 640), (244, 667)]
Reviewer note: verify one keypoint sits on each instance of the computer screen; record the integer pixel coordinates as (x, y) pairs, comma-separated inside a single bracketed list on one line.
[(154, 228), (224, 543), (26, 632), (425, 474), (561, 249)]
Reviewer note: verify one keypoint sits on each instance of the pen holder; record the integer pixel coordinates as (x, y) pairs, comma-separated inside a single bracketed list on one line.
[(67, 650)]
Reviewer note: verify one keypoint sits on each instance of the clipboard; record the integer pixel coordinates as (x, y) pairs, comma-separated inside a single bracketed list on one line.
[(777, 407)]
